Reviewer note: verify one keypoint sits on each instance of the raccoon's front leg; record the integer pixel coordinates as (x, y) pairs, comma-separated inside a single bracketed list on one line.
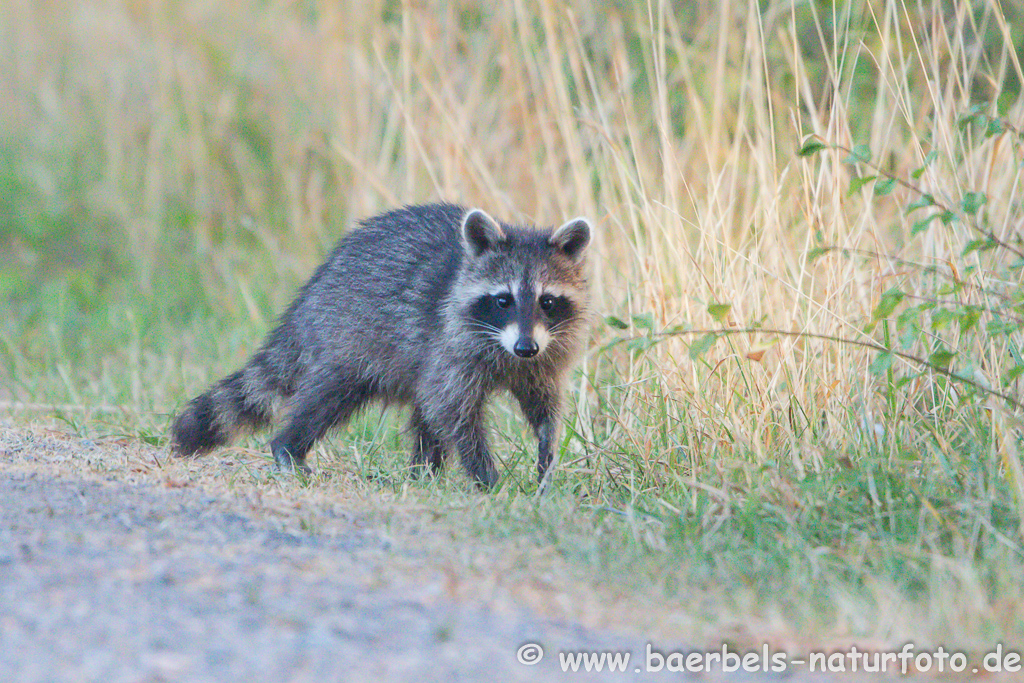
[(451, 405), (460, 424), (472, 443), (541, 409)]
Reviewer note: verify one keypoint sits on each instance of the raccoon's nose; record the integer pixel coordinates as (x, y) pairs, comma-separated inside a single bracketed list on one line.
[(526, 347)]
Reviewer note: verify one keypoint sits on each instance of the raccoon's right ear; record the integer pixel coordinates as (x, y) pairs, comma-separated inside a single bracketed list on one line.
[(480, 232)]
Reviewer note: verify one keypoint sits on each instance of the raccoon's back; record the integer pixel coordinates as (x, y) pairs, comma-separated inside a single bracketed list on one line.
[(378, 297)]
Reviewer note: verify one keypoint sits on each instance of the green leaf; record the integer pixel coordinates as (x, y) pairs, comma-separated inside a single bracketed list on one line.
[(859, 182), (970, 116), (928, 159), (640, 344), (979, 245), (941, 318), (1013, 373), (941, 358), (817, 252), (702, 345), (999, 327), (995, 127), (950, 288), (910, 334), (1015, 353), (811, 147), (969, 317), (719, 311), (644, 320), (887, 304), (904, 381), (948, 217), (885, 186), (924, 201), (907, 316), (973, 201), (861, 153), (908, 326), (617, 323), (881, 364), (922, 224)]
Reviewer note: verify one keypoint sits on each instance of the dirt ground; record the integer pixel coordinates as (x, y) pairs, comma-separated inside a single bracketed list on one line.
[(116, 565)]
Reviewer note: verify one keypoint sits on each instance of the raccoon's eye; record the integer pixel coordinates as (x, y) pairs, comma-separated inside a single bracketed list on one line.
[(503, 300), (547, 302)]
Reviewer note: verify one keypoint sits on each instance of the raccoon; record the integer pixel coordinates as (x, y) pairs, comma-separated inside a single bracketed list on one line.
[(436, 307)]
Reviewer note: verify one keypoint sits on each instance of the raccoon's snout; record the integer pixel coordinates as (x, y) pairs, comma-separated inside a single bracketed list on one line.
[(523, 345), (526, 348)]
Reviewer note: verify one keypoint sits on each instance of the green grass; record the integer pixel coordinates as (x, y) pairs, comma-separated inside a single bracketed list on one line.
[(168, 179)]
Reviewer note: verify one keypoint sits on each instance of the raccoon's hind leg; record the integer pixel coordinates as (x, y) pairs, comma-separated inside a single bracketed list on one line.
[(325, 399), (428, 449)]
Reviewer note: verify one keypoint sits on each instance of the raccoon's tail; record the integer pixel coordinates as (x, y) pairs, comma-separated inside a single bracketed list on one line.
[(242, 401)]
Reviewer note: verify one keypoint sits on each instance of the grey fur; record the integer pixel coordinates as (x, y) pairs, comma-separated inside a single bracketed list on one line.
[(407, 309)]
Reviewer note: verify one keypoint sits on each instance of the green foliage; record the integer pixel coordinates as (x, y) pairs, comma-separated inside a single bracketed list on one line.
[(885, 186), (887, 304), (928, 159), (972, 202), (857, 182), (881, 364), (644, 321), (859, 154), (617, 323), (811, 147), (922, 225), (962, 319), (702, 345), (719, 311)]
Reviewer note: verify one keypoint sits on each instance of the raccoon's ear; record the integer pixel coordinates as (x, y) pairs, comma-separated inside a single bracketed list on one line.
[(572, 238), (480, 232)]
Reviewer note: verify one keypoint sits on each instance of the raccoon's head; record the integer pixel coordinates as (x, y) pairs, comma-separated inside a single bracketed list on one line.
[(522, 287)]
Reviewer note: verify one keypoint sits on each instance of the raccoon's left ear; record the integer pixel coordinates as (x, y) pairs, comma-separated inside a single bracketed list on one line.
[(572, 238)]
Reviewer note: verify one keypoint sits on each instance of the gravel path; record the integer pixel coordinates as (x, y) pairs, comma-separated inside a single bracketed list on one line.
[(102, 580)]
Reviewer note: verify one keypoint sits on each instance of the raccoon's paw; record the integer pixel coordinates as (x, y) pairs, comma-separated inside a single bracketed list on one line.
[(284, 461), (484, 476)]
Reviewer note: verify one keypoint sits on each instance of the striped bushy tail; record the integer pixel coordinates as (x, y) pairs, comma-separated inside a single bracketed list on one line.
[(242, 401)]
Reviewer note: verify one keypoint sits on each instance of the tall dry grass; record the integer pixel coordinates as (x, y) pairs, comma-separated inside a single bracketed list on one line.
[(175, 162)]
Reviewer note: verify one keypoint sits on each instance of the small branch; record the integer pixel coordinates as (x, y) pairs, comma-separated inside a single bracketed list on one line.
[(933, 270), (853, 342), (988, 234)]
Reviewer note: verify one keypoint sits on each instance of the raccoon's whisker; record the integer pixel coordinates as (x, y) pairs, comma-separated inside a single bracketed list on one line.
[(559, 325), (489, 330), (485, 334), (483, 326)]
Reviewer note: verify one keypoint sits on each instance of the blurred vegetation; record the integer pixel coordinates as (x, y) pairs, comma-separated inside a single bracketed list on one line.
[(124, 176)]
